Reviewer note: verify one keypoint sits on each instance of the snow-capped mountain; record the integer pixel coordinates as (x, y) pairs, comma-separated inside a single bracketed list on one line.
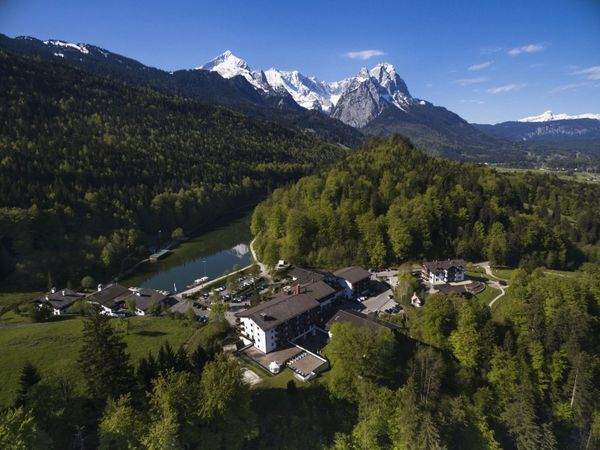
[(228, 66), (355, 101), (308, 92), (375, 101), (549, 116)]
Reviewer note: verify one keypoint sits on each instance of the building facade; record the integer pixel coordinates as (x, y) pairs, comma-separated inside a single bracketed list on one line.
[(441, 272)]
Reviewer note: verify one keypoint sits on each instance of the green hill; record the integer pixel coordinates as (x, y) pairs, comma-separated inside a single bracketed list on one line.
[(92, 168), (389, 203)]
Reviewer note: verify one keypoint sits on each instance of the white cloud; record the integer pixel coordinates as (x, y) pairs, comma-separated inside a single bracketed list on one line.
[(505, 88), (364, 54), (570, 87), (481, 66), (478, 102), (470, 81), (529, 48), (591, 73)]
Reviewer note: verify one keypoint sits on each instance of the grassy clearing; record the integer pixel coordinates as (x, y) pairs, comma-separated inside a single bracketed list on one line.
[(53, 347), (477, 276), (503, 272), (488, 294), (501, 310), (9, 300)]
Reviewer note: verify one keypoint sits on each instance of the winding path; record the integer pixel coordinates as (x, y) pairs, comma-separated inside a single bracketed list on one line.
[(263, 269), (495, 284)]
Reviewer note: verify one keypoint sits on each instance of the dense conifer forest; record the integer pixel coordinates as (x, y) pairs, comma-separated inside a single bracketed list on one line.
[(91, 169), (389, 203)]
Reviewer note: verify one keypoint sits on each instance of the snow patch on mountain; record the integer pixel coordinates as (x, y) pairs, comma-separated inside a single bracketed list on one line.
[(308, 92), (549, 116), (79, 47)]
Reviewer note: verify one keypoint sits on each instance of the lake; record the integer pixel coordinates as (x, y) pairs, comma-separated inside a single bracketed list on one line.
[(210, 254)]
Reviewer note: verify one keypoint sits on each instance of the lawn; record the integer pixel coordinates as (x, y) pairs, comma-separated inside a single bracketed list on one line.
[(488, 294), (503, 308), (53, 347), (8, 300), (503, 273)]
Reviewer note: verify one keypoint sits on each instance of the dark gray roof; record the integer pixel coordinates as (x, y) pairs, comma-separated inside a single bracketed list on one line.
[(61, 299), (358, 320), (353, 274), (304, 276), (271, 313), (110, 295), (437, 266), (319, 290), (145, 298)]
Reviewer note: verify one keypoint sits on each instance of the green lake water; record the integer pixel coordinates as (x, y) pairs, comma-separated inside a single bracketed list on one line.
[(209, 254)]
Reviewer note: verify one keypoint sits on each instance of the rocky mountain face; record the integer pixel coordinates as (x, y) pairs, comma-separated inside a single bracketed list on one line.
[(370, 93)]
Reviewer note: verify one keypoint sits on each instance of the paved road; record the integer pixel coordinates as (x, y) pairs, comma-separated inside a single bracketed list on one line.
[(180, 295), (495, 284)]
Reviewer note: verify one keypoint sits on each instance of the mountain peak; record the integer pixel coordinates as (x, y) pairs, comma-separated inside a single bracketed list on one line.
[(226, 64), (363, 74)]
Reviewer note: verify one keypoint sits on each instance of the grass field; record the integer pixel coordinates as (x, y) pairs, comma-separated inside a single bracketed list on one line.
[(488, 294), (503, 272), (54, 347), (580, 177), (502, 308)]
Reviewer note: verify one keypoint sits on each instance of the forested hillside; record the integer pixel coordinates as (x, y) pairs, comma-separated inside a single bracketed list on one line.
[(91, 168), (388, 204), (527, 384)]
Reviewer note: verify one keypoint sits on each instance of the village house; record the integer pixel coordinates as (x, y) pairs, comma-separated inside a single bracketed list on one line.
[(441, 272), (146, 300), (58, 300), (114, 300), (354, 280)]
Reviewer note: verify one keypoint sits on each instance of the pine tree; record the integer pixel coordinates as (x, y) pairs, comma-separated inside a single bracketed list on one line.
[(29, 377), (103, 359)]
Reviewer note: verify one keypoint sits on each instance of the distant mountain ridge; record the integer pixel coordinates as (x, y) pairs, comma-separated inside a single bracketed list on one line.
[(204, 85), (579, 132), (376, 101), (549, 116)]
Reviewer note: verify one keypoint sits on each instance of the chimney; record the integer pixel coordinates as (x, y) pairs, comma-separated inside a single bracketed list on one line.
[(63, 293), (53, 290), (99, 287), (297, 289)]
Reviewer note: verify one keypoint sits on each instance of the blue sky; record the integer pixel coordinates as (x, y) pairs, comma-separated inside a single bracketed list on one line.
[(487, 62)]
